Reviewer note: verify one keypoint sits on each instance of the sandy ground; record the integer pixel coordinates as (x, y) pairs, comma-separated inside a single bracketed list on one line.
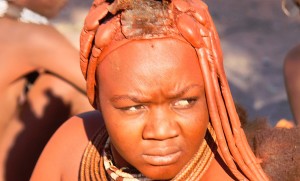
[(255, 36)]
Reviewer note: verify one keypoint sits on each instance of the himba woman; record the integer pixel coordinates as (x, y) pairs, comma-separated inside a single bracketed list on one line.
[(155, 75)]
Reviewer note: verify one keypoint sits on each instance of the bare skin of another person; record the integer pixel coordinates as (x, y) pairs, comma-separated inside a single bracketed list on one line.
[(155, 74), (292, 64), (292, 81), (28, 120)]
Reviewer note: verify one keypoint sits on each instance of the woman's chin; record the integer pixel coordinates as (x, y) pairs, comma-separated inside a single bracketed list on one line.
[(160, 173)]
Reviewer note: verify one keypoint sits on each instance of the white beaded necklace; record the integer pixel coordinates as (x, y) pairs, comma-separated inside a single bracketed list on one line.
[(21, 14)]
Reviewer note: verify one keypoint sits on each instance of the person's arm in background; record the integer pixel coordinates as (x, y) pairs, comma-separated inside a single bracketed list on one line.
[(292, 81), (55, 54)]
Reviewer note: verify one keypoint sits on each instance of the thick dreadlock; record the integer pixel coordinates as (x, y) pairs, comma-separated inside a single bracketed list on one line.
[(110, 26)]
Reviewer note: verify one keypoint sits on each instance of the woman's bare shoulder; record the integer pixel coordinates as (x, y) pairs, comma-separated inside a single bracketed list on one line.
[(82, 126), (62, 155)]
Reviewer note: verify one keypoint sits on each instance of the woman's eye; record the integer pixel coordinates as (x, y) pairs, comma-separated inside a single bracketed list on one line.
[(132, 109), (185, 103)]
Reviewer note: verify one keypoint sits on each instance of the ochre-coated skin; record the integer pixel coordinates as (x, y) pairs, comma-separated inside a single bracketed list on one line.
[(141, 112), (145, 114), (292, 81), (28, 120), (106, 33)]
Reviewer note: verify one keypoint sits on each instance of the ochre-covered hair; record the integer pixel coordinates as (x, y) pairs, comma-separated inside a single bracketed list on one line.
[(112, 24)]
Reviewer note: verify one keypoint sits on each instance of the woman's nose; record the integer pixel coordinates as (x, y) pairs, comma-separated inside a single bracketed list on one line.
[(161, 124)]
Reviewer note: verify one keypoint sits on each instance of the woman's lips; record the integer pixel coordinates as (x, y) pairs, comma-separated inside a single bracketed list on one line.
[(162, 156)]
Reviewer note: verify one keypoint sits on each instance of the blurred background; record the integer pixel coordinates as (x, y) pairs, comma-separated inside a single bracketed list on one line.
[(255, 37)]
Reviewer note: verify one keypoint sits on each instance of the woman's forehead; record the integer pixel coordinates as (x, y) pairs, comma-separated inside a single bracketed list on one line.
[(152, 50), (151, 62)]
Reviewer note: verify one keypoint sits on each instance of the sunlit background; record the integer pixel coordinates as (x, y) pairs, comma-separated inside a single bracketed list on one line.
[(255, 36)]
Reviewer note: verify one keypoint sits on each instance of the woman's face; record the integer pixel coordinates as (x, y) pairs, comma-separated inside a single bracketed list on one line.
[(153, 102)]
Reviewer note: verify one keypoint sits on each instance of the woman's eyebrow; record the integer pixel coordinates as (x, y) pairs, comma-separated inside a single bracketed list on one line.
[(172, 95), (117, 98), (179, 93)]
